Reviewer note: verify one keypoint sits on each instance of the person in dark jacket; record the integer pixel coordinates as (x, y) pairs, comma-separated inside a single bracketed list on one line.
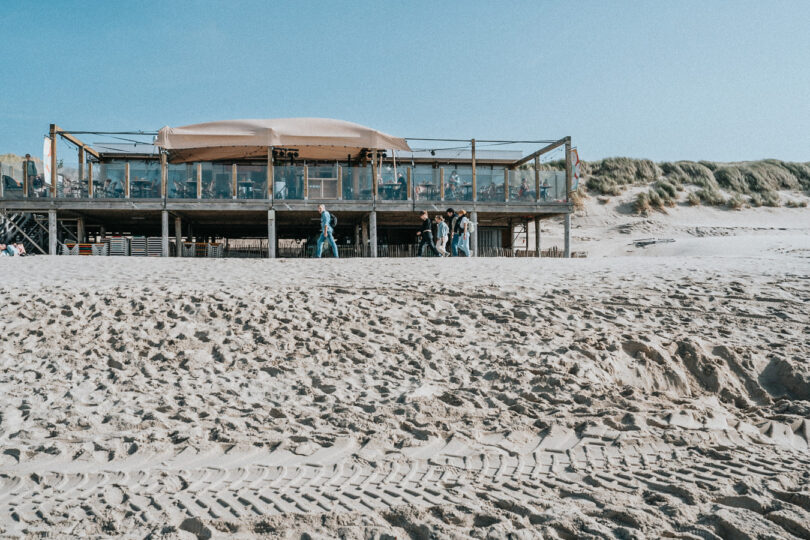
[(426, 235)]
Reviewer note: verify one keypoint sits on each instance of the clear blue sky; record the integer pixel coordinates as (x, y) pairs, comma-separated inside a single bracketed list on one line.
[(719, 80)]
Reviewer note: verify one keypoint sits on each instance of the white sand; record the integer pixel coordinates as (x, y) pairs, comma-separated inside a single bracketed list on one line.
[(630, 397)]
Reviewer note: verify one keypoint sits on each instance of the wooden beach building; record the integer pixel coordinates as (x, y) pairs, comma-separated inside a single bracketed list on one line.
[(264, 179)]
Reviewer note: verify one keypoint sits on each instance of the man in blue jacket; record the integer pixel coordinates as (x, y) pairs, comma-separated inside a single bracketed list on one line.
[(326, 233)]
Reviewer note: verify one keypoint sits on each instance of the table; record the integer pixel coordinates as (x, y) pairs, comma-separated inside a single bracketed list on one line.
[(245, 189), (392, 191), (142, 188)]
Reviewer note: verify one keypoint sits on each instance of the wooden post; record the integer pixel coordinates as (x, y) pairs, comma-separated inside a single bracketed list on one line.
[(52, 241), (441, 183), (126, 180), (567, 235), (90, 179), (233, 181), (81, 164), (178, 237), (339, 183), (54, 174), (568, 172), (537, 235), (25, 175), (80, 231), (271, 193), (271, 234), (199, 180), (2, 183), (506, 185), (164, 176), (372, 228), (164, 238), (526, 228), (306, 182), (374, 185), (537, 179), (364, 233), (357, 243), (409, 188), (474, 174)]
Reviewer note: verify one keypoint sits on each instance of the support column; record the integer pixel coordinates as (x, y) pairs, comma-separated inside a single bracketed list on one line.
[(357, 236), (53, 161), (164, 237), (52, 232), (568, 235), (372, 229), (80, 230), (102, 232), (178, 237), (474, 235), (537, 236), (271, 234), (364, 235)]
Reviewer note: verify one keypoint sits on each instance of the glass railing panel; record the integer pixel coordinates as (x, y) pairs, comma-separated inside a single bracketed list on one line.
[(288, 182), (322, 182), (356, 183), (217, 179), (12, 176), (426, 182), (489, 183), (251, 181), (109, 180), (457, 182), (554, 184), (521, 185), (144, 179), (393, 184), (181, 181), (37, 188)]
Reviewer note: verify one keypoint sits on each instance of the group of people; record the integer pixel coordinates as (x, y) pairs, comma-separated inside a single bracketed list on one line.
[(454, 227), (12, 250)]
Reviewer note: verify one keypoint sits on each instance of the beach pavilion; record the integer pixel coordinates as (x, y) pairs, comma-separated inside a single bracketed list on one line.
[(242, 180)]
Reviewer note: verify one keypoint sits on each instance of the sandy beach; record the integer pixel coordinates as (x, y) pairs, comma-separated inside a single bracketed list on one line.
[(630, 396)]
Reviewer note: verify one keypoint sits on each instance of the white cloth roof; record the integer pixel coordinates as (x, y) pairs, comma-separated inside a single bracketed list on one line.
[(314, 138)]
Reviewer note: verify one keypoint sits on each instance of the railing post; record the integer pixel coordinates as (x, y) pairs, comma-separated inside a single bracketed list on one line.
[(126, 180), (537, 179), (233, 181), (474, 174), (339, 183), (164, 176), (374, 180), (2, 183), (54, 174), (199, 180), (506, 185), (568, 172), (306, 182), (90, 180), (409, 187), (441, 183), (81, 165), (25, 175), (271, 193)]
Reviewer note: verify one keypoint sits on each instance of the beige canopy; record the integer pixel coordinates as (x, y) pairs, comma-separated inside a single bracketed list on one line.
[(313, 138)]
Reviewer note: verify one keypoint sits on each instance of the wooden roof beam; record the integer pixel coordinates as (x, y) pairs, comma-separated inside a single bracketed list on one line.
[(545, 149), (76, 141)]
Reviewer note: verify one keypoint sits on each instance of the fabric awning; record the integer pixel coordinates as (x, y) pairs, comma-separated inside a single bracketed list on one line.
[(314, 138)]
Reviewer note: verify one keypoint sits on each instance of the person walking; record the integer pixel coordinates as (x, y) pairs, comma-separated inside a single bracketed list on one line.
[(452, 219), (463, 234), (442, 232), (327, 232), (426, 235)]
